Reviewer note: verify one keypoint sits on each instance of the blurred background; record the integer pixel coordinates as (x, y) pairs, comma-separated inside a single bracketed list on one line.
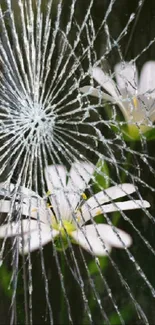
[(72, 288)]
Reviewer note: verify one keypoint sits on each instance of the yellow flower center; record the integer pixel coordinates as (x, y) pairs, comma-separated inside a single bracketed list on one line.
[(84, 196), (65, 228), (135, 101)]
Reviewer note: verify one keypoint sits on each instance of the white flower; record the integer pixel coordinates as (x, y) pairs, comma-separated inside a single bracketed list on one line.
[(136, 99), (67, 221)]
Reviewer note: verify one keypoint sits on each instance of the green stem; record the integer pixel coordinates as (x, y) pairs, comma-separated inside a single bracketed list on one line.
[(62, 298)]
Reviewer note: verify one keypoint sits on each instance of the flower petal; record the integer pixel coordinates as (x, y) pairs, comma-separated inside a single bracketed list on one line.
[(114, 237), (147, 79), (108, 84), (55, 177), (120, 206), (110, 194), (26, 202), (88, 90), (56, 181), (85, 213), (111, 236), (37, 239), (126, 76), (29, 206), (6, 188), (17, 228), (105, 81), (65, 198), (10, 190), (79, 177), (90, 241)]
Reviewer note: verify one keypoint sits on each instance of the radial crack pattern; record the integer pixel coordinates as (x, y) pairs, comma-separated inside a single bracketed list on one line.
[(77, 134)]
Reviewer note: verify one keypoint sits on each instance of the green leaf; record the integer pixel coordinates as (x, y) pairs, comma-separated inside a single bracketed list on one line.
[(101, 176), (133, 133), (5, 279), (129, 132), (150, 135), (103, 263), (126, 313)]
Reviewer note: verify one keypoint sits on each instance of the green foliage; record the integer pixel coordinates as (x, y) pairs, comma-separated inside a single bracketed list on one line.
[(150, 135), (101, 176), (135, 134), (130, 132), (126, 313), (103, 263), (5, 279)]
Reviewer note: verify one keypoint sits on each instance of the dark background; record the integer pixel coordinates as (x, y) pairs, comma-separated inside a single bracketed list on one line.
[(139, 34)]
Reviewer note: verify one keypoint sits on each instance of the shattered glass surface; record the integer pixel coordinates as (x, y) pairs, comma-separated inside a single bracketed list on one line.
[(55, 111)]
